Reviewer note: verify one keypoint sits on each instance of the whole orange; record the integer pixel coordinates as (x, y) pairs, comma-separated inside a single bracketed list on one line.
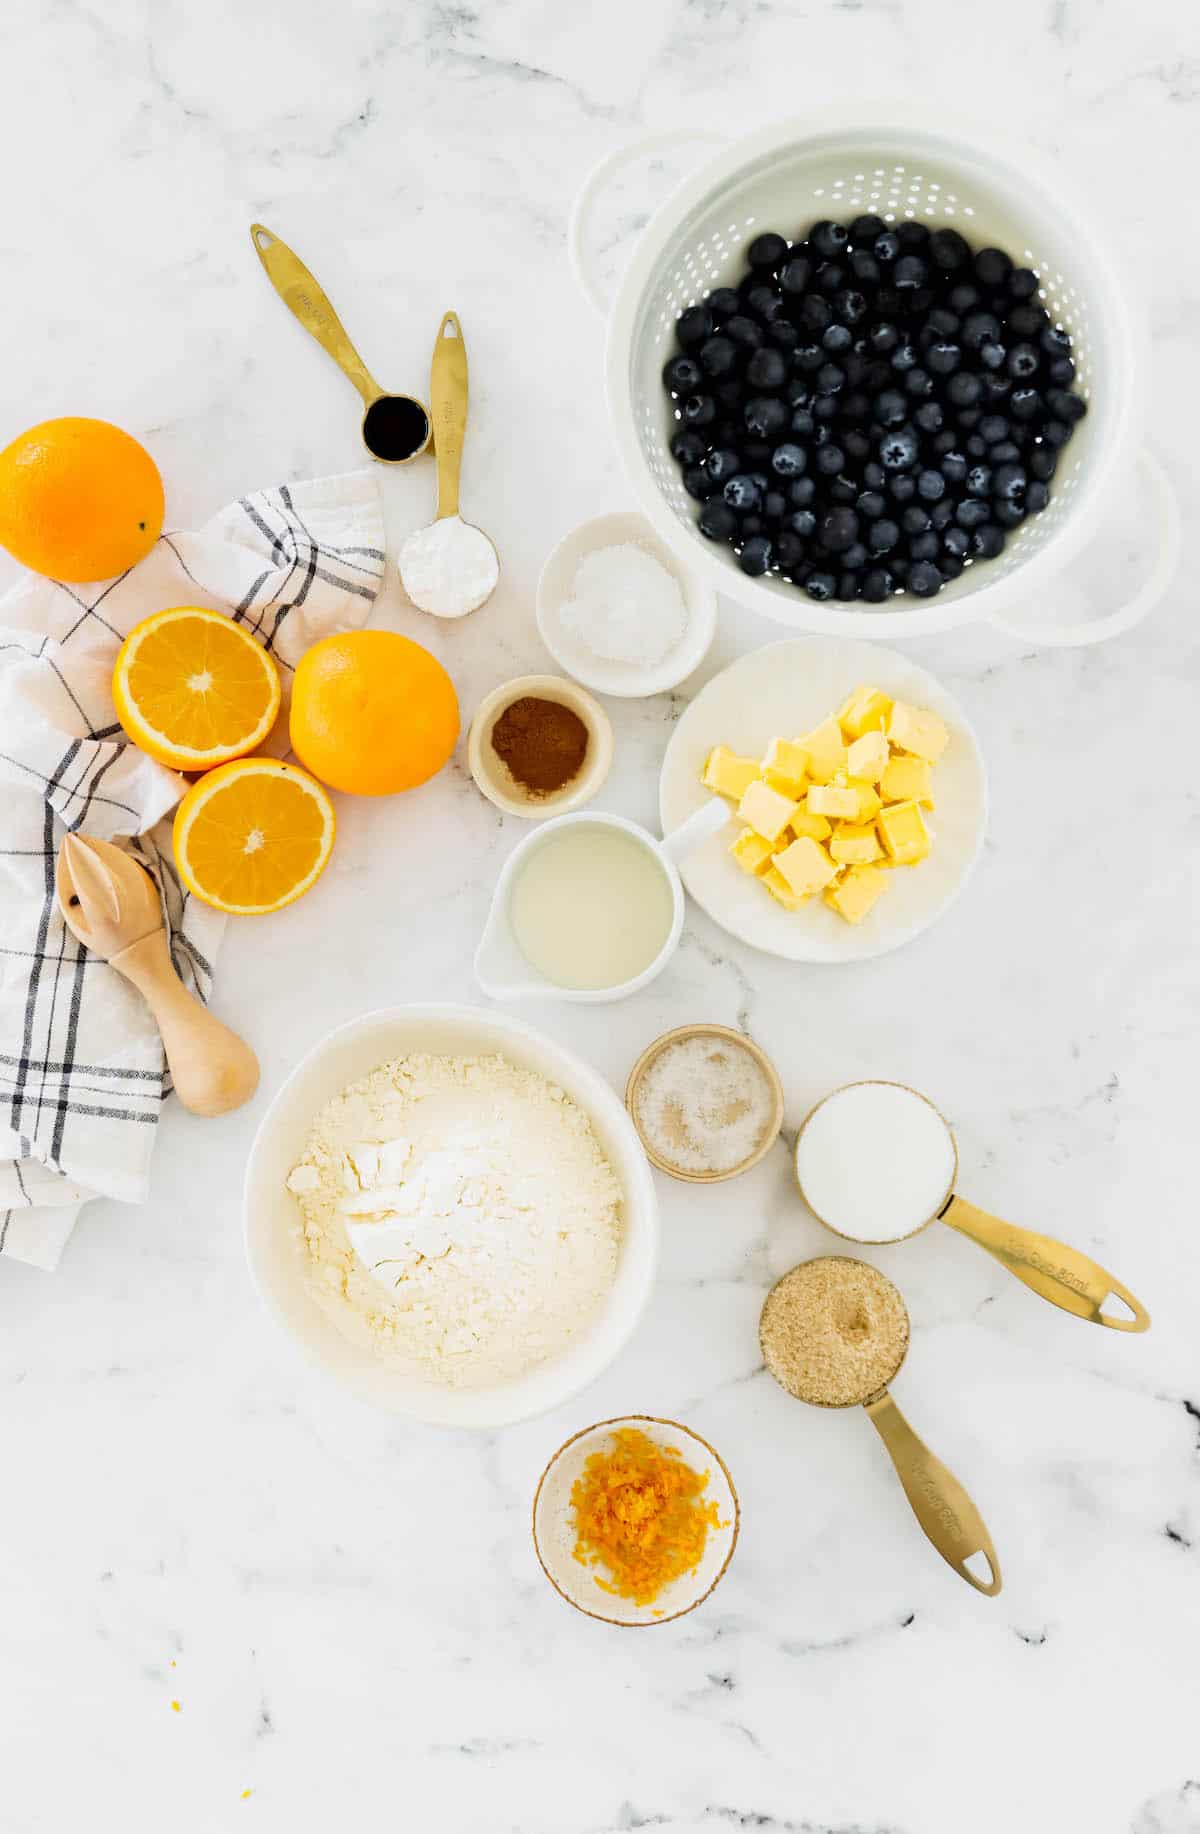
[(79, 499), (372, 713)]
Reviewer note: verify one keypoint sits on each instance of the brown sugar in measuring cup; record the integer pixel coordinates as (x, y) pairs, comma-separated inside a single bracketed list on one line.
[(834, 1332)]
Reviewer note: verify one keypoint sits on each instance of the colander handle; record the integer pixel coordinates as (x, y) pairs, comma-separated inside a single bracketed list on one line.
[(1098, 630), (596, 181)]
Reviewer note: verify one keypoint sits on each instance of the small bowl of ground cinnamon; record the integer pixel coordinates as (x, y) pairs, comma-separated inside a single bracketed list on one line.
[(539, 745)]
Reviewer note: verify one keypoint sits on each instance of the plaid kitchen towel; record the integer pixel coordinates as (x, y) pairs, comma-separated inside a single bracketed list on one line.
[(81, 1064)]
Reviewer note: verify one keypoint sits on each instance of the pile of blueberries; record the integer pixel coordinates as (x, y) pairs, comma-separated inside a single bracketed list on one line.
[(871, 409)]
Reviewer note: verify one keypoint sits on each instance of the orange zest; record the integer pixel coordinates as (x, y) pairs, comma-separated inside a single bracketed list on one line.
[(641, 1513), (194, 689), (253, 835)]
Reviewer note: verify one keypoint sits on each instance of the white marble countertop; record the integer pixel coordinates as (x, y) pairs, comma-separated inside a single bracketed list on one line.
[(347, 1608)]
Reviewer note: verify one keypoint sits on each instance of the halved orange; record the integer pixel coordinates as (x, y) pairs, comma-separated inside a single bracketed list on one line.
[(253, 835), (194, 689)]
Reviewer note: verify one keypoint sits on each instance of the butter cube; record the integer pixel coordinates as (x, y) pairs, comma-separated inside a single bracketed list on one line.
[(785, 767), (833, 799), (855, 845), (907, 780), (869, 801), (781, 891), (806, 867), (913, 729), (856, 891), (867, 710), (766, 811), (826, 751), (805, 822), (903, 832), (728, 774), (868, 756), (751, 851)]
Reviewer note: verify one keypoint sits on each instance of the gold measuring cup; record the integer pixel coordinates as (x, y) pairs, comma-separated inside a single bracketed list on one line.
[(868, 1322), (395, 428), (1051, 1269)]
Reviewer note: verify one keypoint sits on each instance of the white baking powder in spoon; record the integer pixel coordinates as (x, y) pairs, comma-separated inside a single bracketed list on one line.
[(875, 1161)]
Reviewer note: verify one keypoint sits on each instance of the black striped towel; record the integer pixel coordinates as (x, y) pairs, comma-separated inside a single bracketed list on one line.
[(81, 1066)]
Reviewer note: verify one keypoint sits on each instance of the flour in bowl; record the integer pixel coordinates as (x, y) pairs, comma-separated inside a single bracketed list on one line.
[(459, 1217)]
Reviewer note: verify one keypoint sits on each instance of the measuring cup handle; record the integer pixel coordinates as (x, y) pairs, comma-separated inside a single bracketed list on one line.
[(1056, 1272), (707, 820), (1163, 571), (948, 1517), (594, 184)]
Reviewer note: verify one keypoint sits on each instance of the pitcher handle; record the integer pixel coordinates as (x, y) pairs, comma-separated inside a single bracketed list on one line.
[(699, 827)]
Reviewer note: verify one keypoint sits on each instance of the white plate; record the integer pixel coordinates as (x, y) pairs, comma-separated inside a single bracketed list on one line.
[(785, 689)]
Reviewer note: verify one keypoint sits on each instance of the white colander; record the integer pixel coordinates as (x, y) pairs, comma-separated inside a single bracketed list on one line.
[(836, 166)]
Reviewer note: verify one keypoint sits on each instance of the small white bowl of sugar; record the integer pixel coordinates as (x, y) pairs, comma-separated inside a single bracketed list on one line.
[(620, 612)]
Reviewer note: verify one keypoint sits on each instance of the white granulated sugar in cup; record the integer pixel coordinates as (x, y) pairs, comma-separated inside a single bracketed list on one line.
[(625, 606), (875, 1161)]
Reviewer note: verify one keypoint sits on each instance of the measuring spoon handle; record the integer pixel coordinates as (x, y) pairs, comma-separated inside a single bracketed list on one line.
[(448, 410), (303, 297), (948, 1517), (1054, 1271)]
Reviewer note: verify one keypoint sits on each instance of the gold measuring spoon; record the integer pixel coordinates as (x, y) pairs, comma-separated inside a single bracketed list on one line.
[(834, 1332), (449, 568), (395, 428), (845, 1172), (111, 904)]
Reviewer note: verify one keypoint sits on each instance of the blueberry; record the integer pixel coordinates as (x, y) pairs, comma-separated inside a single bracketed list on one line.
[(688, 445), (898, 450), (1027, 321), (1055, 341), (803, 523), (976, 447), (945, 442), (996, 388), (749, 525), (904, 357), (964, 388), (1057, 432), (856, 408), (1009, 481), (847, 586), (855, 445), (987, 541), (801, 492), (1061, 372), (891, 408), (830, 460), (789, 460), (1007, 452), (993, 267), (722, 303), (953, 467), (930, 486), (980, 328), (796, 274), (918, 383), (874, 476), (836, 339), (788, 550), (925, 547), (942, 323), (899, 565), (883, 338), (830, 378), (1007, 514), (829, 239), (766, 369), (722, 465), (1022, 283), (765, 303), (843, 491), (1065, 406), (697, 483), (1043, 462), (972, 513), (1023, 362), (1037, 495), (948, 250), (993, 428), (941, 515), (767, 250), (950, 566), (877, 585), (979, 481), (742, 493), (855, 556), (956, 541), (866, 227), (1024, 403), (969, 419), (717, 520), (764, 415), (903, 486), (864, 267), (699, 410), (693, 326), (807, 357), (830, 278), (943, 359), (924, 579), (850, 306), (839, 529), (774, 508), (755, 556), (728, 395), (745, 332), (963, 297), (783, 334), (912, 236), (718, 355), (814, 315), (886, 246), (993, 356), (802, 423), (871, 504), (683, 376), (820, 585), (915, 519), (929, 417), (883, 535)]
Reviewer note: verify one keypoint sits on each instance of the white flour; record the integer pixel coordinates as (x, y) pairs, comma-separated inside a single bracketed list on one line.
[(449, 568), (459, 1217)]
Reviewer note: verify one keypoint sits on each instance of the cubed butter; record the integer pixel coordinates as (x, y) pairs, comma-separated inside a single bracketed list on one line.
[(826, 750), (806, 867), (785, 767), (867, 757), (804, 821), (856, 891), (781, 891), (854, 844), (833, 799), (869, 801), (915, 730), (751, 851), (766, 811), (728, 774), (866, 710), (903, 832), (907, 779)]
